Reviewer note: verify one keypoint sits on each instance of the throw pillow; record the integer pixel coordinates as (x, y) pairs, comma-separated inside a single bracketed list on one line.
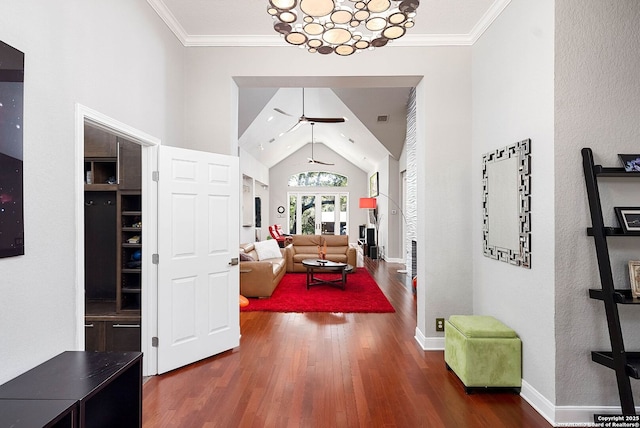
[(244, 257), (268, 249)]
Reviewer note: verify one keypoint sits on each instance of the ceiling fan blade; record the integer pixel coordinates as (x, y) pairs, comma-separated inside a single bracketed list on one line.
[(323, 163), (283, 112), (293, 128), (324, 119), (319, 162)]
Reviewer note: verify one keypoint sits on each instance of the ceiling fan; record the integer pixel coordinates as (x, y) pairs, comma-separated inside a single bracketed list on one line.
[(312, 159), (304, 119)]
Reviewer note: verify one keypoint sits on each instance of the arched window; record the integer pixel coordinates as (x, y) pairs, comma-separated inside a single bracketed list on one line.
[(317, 179)]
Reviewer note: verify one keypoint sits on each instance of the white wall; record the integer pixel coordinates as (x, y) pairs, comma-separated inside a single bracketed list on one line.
[(115, 57), (251, 167), (512, 101), (390, 224), (597, 103), (443, 135)]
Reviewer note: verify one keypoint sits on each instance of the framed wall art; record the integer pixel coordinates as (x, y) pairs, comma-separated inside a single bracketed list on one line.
[(11, 151), (373, 185)]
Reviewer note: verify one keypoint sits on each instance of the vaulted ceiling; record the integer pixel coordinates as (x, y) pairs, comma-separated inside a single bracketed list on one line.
[(364, 138)]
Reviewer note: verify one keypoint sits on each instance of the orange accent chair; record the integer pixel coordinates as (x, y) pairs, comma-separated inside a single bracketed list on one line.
[(276, 233)]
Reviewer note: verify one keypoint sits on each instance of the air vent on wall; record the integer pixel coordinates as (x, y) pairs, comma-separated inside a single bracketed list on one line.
[(383, 118)]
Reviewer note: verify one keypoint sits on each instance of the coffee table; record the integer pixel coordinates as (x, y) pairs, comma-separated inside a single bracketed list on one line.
[(316, 265)]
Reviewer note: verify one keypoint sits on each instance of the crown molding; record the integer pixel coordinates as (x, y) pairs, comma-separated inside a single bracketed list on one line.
[(410, 40), (165, 14), (487, 19)]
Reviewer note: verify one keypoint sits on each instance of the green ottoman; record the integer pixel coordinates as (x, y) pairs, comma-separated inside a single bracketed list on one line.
[(483, 352)]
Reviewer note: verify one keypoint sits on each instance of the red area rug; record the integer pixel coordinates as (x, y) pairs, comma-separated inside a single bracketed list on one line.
[(291, 295)]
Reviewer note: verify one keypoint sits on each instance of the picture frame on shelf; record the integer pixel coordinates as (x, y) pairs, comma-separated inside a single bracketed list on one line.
[(630, 163), (629, 218), (373, 185), (634, 278)]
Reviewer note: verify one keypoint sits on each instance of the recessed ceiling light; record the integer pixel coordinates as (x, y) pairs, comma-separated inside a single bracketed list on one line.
[(270, 119)]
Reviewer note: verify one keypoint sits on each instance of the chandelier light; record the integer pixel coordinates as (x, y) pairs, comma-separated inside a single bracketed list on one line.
[(342, 26)]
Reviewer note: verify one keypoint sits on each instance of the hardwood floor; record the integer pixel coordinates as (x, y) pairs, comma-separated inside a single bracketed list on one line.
[(329, 370)]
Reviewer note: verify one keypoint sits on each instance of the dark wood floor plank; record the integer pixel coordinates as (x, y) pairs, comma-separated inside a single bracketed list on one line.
[(329, 370)]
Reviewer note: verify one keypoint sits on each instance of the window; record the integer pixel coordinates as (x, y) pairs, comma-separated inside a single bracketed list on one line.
[(317, 178), (319, 213)]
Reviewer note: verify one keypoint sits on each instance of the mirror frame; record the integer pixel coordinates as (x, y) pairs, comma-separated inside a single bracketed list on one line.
[(521, 255)]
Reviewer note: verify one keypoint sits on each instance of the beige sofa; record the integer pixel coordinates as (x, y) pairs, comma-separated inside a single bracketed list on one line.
[(258, 278), (306, 247)]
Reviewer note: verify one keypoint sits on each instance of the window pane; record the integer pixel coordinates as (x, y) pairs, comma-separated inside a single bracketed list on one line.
[(308, 215), (293, 202), (314, 178), (343, 214), (328, 215)]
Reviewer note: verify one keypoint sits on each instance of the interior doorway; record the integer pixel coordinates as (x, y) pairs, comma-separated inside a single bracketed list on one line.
[(219, 173), (122, 308), (113, 232)]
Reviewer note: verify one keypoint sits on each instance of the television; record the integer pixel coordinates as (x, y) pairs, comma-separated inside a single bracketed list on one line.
[(11, 151)]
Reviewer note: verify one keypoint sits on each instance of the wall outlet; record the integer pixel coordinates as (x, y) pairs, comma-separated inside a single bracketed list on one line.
[(439, 324)]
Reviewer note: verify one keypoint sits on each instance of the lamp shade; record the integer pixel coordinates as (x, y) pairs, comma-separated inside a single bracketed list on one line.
[(368, 203)]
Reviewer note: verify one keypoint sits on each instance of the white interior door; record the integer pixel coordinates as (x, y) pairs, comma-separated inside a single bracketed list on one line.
[(198, 286)]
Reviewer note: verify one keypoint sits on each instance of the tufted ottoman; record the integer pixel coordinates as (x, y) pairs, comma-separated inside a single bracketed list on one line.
[(483, 352)]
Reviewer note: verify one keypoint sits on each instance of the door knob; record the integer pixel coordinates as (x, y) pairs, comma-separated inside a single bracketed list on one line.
[(233, 262)]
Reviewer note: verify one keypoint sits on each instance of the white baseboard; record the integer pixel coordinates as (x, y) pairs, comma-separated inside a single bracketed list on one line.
[(565, 416), (538, 401), (572, 415), (429, 343)]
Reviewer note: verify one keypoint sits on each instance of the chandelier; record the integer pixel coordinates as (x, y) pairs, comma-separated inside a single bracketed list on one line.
[(342, 26)]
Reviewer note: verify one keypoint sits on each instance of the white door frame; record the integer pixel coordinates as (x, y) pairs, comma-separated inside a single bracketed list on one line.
[(149, 302)]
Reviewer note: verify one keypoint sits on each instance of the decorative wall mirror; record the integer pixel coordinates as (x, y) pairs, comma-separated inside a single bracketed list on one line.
[(506, 204)]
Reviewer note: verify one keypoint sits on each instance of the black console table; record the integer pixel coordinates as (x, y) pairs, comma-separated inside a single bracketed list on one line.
[(76, 389), (38, 413)]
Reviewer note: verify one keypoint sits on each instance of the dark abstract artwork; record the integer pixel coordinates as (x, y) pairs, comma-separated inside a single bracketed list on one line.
[(11, 152)]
